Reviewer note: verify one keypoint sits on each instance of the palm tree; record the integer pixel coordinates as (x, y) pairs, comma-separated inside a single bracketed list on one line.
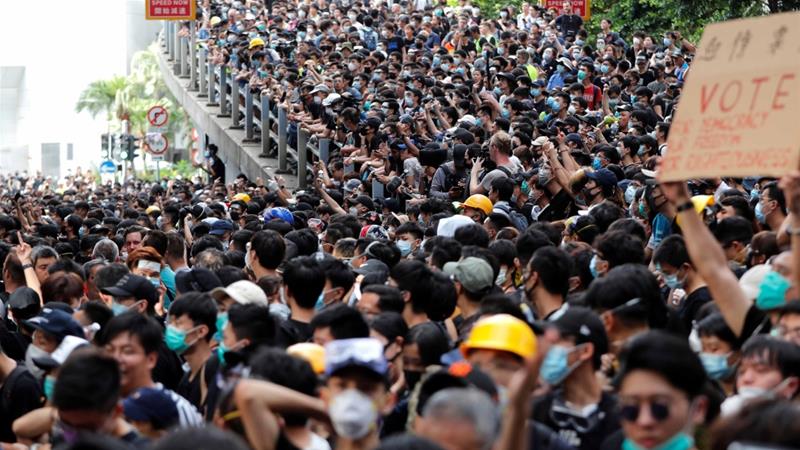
[(100, 96), (129, 98)]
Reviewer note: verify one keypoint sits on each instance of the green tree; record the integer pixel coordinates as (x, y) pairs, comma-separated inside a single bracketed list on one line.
[(129, 98), (100, 97)]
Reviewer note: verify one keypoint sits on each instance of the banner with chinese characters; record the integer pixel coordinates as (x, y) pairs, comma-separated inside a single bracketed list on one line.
[(738, 114), (170, 9)]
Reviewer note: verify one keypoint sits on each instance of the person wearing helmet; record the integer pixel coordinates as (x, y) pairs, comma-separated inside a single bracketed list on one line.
[(477, 207), (499, 345)]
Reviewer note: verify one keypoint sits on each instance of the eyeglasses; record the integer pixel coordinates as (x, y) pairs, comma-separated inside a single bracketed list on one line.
[(658, 410)]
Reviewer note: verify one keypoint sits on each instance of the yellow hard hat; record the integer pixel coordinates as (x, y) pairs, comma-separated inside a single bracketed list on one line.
[(479, 201), (242, 196), (214, 21), (151, 209), (700, 202), (255, 43), (501, 332), (313, 353)]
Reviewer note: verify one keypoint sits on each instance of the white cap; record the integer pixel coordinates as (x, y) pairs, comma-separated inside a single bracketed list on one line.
[(449, 225), (243, 292)]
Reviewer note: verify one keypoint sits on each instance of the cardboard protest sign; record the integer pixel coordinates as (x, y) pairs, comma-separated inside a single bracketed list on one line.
[(739, 112)]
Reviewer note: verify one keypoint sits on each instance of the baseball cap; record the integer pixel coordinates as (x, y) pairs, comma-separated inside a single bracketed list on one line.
[(196, 279), (56, 323), (473, 273), (220, 227), (584, 326), (449, 225), (603, 177), (134, 286), (320, 88), (372, 266), (61, 353), (331, 99), (366, 353), (151, 405), (243, 292), (575, 137), (22, 298), (279, 212), (366, 201)]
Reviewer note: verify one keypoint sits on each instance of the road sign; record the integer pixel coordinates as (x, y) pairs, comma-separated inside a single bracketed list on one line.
[(582, 8), (170, 9), (108, 168), (157, 116), (157, 144)]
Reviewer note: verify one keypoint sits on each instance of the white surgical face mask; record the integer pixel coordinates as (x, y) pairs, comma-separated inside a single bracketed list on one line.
[(35, 352), (353, 414)]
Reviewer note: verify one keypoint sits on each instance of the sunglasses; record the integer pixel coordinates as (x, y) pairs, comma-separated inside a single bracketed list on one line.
[(658, 410)]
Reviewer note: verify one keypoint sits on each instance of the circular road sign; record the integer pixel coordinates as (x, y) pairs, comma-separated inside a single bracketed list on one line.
[(158, 143), (157, 116)]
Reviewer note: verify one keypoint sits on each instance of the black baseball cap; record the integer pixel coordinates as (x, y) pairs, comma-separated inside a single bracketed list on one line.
[(134, 286), (55, 323), (196, 280), (584, 325)]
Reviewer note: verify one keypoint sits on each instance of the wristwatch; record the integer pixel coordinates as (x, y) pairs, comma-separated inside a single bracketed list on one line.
[(686, 206), (27, 266)]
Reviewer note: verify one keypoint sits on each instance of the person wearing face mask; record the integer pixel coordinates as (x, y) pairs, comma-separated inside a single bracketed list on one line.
[(770, 210), (672, 260), (473, 279), (577, 407), (357, 392), (660, 394), (734, 234), (135, 340), (192, 323), (546, 282), (408, 237), (86, 400), (50, 327), (720, 350), (499, 345), (768, 368)]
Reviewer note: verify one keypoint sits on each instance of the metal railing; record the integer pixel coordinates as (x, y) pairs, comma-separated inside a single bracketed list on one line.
[(263, 123)]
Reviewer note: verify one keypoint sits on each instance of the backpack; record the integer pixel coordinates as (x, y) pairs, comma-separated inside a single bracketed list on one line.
[(370, 38)]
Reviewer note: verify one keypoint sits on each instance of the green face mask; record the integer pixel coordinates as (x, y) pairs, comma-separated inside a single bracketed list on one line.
[(222, 321), (175, 339), (771, 291), (680, 441), (49, 387)]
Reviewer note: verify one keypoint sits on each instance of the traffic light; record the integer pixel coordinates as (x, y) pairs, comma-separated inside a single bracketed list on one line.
[(128, 146), (108, 144)]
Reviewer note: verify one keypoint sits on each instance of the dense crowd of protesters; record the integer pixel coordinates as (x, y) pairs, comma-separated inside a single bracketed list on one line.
[(485, 262)]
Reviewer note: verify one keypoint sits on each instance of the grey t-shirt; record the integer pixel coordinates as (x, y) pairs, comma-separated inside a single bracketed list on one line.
[(486, 183)]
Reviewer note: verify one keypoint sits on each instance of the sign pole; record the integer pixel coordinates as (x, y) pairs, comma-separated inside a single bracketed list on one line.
[(158, 170)]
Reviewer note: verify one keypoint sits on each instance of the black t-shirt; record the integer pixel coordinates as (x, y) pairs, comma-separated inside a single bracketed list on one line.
[(218, 168), (191, 390), (755, 322), (293, 332), (691, 304), (559, 208), (583, 434), (19, 395), (569, 24), (13, 343), (395, 44), (169, 369)]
